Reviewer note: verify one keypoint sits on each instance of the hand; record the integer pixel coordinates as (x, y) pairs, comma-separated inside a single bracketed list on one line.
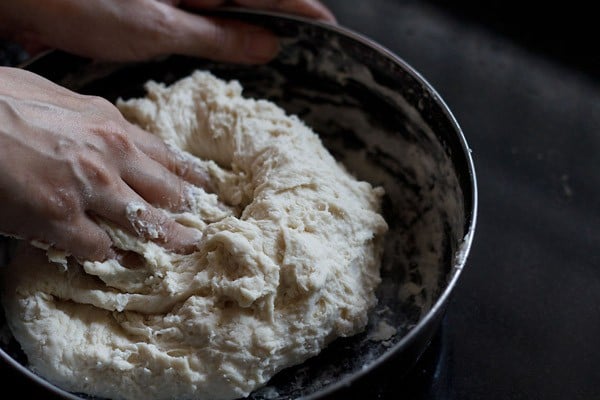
[(68, 159), (139, 29)]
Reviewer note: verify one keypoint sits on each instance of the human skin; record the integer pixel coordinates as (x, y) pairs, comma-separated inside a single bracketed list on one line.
[(69, 159), (138, 29)]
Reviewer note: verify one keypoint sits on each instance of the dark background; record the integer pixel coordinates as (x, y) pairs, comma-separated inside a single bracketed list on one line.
[(523, 81), (524, 84)]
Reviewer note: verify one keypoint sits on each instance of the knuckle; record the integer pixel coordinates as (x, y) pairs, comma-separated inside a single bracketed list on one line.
[(93, 245), (100, 108), (181, 168), (95, 173), (219, 40), (108, 125), (98, 102), (61, 206), (159, 26), (115, 138), (176, 161)]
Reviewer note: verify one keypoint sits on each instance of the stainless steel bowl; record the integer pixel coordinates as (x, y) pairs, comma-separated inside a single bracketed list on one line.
[(380, 118)]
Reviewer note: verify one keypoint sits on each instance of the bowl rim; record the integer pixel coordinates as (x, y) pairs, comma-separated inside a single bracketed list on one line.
[(463, 251), (460, 257)]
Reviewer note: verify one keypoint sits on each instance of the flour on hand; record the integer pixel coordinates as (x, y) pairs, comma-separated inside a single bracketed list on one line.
[(288, 261)]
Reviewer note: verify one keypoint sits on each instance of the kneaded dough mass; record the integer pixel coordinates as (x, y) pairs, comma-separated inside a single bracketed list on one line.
[(288, 261)]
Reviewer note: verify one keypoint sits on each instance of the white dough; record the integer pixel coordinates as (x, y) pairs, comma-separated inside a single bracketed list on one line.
[(288, 261)]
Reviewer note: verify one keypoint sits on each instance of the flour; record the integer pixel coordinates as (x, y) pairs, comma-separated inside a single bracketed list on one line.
[(383, 332), (134, 212), (288, 261)]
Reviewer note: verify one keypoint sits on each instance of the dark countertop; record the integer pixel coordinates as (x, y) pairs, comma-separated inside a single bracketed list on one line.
[(524, 321)]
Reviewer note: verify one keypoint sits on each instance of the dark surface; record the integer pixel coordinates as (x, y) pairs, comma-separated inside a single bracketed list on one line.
[(565, 32), (524, 321)]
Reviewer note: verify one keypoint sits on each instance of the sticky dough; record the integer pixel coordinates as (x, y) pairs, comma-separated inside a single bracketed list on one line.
[(288, 261)]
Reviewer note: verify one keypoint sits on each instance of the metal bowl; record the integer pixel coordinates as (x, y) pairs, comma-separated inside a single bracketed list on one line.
[(381, 119)]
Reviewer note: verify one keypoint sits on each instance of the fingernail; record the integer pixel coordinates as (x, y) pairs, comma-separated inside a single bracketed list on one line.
[(192, 238), (260, 45)]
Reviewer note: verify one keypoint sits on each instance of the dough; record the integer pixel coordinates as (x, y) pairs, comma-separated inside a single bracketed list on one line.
[(288, 261)]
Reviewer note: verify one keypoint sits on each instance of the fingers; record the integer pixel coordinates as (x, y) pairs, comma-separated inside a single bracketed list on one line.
[(129, 208), (156, 184), (228, 40), (220, 39), (85, 239), (173, 159), (153, 224), (159, 186), (147, 177), (307, 8), (130, 211)]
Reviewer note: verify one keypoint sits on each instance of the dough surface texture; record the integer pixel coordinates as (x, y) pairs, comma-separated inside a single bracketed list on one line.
[(288, 261)]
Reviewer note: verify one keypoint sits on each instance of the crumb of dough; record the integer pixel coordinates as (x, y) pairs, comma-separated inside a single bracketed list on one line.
[(288, 261), (383, 332), (54, 255)]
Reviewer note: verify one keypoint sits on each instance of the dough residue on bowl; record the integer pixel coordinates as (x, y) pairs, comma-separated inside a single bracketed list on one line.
[(288, 261)]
